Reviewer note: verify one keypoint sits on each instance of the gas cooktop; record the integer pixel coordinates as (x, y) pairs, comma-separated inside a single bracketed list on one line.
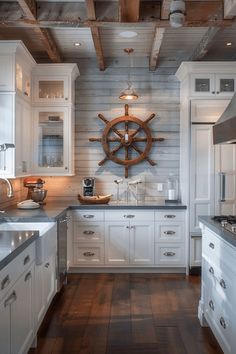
[(228, 222)]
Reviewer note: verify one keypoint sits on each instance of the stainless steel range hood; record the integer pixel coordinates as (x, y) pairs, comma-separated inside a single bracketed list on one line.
[(224, 131)]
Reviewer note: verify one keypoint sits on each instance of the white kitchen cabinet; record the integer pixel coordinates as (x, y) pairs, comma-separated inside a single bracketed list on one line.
[(45, 287), (53, 102), (141, 243), (16, 303), (210, 85), (15, 109), (218, 291), (54, 83), (52, 141), (117, 245)]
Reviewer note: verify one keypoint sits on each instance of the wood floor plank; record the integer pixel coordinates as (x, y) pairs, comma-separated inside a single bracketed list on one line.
[(128, 314)]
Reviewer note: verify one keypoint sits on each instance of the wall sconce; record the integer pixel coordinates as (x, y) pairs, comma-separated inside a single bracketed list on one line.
[(129, 93), (177, 13)]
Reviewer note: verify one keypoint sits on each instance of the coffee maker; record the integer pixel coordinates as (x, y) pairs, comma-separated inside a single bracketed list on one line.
[(88, 186)]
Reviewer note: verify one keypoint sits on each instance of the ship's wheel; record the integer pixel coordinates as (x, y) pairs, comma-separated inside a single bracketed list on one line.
[(125, 132)]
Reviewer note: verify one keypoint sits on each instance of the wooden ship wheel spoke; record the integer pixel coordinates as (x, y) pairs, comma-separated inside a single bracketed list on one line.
[(127, 137)]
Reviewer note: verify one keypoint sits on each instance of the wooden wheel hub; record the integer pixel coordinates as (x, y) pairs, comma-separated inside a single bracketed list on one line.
[(126, 131)]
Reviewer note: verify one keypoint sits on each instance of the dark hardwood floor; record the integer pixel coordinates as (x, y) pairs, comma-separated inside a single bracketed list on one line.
[(128, 314)]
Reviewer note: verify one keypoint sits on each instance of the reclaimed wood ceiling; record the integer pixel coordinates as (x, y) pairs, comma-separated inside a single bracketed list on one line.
[(50, 28)]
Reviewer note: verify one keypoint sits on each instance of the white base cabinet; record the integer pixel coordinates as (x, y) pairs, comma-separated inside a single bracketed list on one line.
[(218, 290), (128, 238)]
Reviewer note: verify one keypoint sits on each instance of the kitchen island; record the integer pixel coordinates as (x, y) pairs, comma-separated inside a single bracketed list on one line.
[(218, 290)]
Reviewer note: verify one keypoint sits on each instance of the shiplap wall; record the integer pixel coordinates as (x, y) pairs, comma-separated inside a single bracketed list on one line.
[(98, 92)]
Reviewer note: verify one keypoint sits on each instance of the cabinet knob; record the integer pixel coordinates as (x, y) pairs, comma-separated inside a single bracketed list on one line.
[(88, 254), (47, 265), (211, 305), (88, 232), (211, 270), (222, 283), (169, 232), (222, 322), (169, 254), (217, 92), (66, 168), (5, 282), (213, 92), (211, 245), (66, 98)]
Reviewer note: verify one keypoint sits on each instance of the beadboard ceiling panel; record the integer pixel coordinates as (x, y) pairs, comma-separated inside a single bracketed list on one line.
[(65, 39)]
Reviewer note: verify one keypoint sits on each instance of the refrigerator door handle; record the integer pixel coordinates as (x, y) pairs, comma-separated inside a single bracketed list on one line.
[(222, 186)]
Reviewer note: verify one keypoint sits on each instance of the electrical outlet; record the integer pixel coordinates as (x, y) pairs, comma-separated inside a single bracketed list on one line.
[(160, 187)]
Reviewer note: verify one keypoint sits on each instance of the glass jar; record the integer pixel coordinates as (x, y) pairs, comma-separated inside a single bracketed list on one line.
[(172, 188)]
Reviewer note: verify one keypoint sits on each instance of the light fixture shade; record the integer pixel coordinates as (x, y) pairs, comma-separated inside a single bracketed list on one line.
[(177, 13), (128, 94)]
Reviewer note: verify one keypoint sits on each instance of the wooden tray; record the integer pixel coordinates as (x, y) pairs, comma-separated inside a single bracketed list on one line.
[(99, 199)]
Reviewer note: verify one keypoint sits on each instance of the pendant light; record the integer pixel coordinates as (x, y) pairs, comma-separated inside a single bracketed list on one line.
[(129, 93)]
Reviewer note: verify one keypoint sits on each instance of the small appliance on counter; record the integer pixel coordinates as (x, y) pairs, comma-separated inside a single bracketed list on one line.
[(35, 189), (88, 186)]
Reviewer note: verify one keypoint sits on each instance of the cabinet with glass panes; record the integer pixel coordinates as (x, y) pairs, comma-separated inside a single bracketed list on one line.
[(213, 85)]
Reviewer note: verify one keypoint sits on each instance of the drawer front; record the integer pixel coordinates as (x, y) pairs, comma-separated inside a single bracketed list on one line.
[(88, 215), (93, 232), (169, 256), (129, 215), (172, 232), (13, 270), (169, 215), (221, 320), (88, 254)]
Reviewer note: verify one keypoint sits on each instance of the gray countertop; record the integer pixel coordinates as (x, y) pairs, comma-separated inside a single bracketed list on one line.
[(216, 227), (13, 243), (53, 210)]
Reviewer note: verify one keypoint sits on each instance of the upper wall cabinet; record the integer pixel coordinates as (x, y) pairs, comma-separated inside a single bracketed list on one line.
[(54, 83), (16, 66), (222, 85), (208, 79)]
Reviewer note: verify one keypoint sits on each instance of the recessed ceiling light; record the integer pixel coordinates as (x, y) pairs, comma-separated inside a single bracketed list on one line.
[(229, 44), (77, 44), (128, 34)]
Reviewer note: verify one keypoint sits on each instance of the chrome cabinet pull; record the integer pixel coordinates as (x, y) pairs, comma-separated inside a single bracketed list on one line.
[(211, 304), (88, 254), (222, 186), (169, 216), (169, 254), (47, 265), (211, 245), (10, 299), (5, 282), (26, 260), (129, 216), (127, 227), (28, 276), (169, 232), (88, 216), (63, 220), (222, 283), (222, 322), (88, 232), (211, 270)]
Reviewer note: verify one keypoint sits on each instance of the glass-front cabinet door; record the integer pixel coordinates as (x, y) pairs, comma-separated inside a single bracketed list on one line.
[(52, 149), (225, 85), (55, 89)]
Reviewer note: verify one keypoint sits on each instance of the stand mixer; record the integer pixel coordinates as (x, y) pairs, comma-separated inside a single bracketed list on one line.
[(35, 189)]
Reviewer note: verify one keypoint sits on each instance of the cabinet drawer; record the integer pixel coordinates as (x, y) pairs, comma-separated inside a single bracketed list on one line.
[(221, 320), (170, 215), (217, 250), (88, 215), (87, 253), (13, 270), (168, 256), (172, 232), (93, 232), (129, 215)]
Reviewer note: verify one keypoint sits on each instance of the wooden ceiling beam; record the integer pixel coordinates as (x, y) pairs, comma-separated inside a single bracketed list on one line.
[(165, 9), (129, 10), (95, 32), (29, 9), (204, 45), (156, 46)]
